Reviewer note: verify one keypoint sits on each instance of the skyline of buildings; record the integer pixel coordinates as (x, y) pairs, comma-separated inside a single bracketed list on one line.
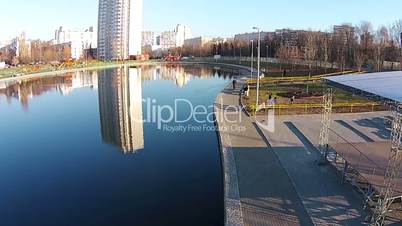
[(119, 29)]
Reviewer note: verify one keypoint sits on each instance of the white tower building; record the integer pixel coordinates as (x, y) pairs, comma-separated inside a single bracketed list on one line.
[(119, 29), (182, 33)]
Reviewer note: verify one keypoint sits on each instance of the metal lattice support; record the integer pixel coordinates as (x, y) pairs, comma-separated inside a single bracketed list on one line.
[(392, 173), (325, 123)]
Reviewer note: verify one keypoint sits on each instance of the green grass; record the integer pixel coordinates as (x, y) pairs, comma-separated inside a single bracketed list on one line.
[(283, 92), (291, 70), (8, 72)]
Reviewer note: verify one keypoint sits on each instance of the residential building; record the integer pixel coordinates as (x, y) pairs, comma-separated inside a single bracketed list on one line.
[(166, 40), (119, 29), (148, 38), (197, 42), (18, 47), (247, 37), (288, 37), (79, 40), (182, 33), (343, 33)]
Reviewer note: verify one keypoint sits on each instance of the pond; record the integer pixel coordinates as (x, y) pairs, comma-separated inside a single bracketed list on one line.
[(112, 147)]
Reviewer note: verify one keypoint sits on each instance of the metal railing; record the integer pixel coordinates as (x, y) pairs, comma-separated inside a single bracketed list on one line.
[(281, 109), (355, 166)]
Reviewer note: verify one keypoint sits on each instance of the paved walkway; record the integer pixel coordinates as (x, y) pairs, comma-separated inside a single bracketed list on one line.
[(258, 190), (327, 200), (272, 178)]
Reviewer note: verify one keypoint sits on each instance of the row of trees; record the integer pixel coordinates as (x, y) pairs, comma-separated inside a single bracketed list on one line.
[(34, 52), (346, 46), (37, 51)]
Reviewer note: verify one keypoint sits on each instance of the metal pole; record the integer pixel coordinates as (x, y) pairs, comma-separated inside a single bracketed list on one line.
[(240, 55), (258, 66), (252, 58)]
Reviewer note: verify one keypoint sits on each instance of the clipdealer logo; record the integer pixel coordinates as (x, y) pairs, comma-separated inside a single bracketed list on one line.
[(184, 116)]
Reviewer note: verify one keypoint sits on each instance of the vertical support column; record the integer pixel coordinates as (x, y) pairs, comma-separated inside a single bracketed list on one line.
[(345, 171), (325, 125), (392, 171)]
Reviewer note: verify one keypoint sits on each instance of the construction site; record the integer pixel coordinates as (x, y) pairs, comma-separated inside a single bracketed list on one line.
[(333, 149)]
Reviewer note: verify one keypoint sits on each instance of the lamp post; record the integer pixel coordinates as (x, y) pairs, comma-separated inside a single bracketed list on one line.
[(267, 51), (252, 58), (258, 66)]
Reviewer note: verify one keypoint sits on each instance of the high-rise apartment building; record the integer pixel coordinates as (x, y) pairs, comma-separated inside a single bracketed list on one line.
[(119, 29), (182, 33)]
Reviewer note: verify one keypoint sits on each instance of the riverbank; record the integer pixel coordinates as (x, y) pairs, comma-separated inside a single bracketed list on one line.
[(105, 65), (119, 64)]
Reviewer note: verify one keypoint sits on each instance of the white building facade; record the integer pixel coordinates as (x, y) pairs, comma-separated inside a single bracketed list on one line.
[(167, 39), (119, 29), (182, 33), (79, 40)]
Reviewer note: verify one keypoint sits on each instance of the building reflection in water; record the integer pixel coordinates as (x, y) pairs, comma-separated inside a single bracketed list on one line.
[(182, 74), (119, 93), (25, 90), (120, 107)]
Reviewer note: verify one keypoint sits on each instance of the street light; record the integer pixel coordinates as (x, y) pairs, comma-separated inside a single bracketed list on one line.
[(252, 57), (258, 66), (267, 51)]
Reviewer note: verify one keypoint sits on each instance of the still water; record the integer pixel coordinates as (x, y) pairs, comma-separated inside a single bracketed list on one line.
[(79, 149)]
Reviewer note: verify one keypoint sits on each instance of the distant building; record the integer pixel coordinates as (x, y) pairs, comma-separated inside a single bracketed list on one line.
[(79, 40), (18, 47), (288, 37), (182, 33), (247, 37), (166, 40), (197, 42), (148, 38), (342, 33), (119, 29), (219, 40)]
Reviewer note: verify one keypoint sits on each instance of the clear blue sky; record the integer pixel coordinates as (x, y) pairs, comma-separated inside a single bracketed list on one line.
[(39, 18)]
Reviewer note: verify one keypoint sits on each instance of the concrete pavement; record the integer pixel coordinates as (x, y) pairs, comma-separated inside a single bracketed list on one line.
[(258, 190), (272, 178)]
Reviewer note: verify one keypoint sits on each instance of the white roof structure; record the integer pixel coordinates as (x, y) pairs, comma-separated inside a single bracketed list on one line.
[(384, 84)]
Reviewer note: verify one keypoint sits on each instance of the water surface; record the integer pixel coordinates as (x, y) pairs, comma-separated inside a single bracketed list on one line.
[(73, 149)]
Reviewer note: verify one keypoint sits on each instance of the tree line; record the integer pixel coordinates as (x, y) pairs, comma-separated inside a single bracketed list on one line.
[(359, 47)]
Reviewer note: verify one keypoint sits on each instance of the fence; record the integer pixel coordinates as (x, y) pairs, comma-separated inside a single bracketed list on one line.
[(268, 60), (355, 164), (292, 109)]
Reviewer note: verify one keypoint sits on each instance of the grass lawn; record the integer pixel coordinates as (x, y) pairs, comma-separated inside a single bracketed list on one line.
[(276, 70), (29, 69), (308, 93)]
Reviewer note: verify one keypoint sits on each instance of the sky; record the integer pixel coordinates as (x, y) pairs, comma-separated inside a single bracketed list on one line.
[(223, 18)]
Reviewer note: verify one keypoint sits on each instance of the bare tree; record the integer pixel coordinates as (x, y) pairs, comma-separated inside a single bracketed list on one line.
[(382, 42), (366, 38), (282, 55), (396, 33), (325, 42), (359, 58), (311, 49)]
